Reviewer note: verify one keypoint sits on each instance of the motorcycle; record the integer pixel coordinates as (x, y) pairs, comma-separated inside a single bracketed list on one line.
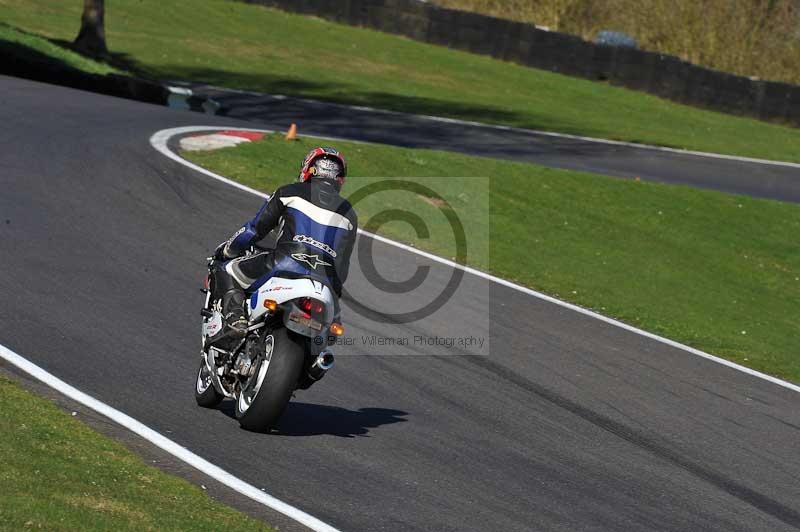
[(287, 347)]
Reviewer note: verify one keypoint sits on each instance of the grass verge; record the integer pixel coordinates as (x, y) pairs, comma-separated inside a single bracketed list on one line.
[(58, 474), (36, 46), (250, 47), (716, 271)]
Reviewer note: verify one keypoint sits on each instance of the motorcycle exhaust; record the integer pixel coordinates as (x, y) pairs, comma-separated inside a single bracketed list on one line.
[(321, 365)]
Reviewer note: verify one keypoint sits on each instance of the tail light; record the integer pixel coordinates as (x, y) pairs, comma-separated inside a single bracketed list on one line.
[(310, 315), (312, 306)]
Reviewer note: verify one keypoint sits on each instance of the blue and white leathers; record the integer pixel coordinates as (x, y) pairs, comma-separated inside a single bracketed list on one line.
[(317, 234)]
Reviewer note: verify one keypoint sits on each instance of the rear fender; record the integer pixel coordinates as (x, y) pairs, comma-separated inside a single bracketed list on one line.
[(282, 291)]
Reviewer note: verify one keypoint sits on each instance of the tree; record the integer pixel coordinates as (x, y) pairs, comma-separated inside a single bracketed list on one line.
[(91, 40)]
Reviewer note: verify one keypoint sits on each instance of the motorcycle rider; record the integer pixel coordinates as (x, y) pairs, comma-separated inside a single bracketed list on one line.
[(317, 231)]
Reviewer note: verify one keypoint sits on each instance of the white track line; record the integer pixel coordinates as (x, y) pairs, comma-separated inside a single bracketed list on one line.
[(160, 140), (522, 130), (166, 444)]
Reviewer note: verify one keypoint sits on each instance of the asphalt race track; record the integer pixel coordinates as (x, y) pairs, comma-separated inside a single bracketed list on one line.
[(321, 118), (568, 424)]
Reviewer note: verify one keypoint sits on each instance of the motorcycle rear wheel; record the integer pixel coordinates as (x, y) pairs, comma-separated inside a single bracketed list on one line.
[(266, 394)]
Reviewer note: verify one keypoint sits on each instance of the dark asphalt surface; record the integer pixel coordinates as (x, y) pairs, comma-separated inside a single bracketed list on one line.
[(753, 179), (568, 424)]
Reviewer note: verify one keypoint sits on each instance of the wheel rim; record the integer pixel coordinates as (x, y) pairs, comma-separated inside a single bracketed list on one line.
[(203, 378), (253, 386)]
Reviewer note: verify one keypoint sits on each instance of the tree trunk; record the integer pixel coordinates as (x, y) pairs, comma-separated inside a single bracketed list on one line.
[(91, 40)]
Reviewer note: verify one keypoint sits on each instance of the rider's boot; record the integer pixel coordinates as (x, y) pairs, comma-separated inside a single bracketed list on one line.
[(233, 313)]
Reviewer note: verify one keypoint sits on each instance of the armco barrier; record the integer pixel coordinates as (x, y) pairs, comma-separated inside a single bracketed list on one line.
[(662, 75)]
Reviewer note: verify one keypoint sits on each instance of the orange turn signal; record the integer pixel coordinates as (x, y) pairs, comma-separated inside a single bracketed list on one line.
[(337, 329), (270, 305)]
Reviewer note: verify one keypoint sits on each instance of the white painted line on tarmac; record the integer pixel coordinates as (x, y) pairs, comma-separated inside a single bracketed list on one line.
[(160, 140), (179, 452)]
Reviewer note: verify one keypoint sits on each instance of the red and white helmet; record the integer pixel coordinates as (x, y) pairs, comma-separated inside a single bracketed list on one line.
[(324, 163)]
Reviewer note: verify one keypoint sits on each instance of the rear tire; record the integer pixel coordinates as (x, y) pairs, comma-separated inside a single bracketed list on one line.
[(204, 392), (260, 404)]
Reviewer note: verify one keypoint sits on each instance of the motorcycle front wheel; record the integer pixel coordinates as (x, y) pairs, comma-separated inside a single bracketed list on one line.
[(267, 392), (204, 392)]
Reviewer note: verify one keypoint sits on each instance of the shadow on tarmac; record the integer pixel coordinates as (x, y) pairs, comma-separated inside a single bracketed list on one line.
[(308, 419)]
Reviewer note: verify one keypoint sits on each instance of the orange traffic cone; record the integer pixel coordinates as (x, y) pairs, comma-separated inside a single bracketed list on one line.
[(292, 133)]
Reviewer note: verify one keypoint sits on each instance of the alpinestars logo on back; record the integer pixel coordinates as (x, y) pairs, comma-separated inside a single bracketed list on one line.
[(311, 260), (305, 239)]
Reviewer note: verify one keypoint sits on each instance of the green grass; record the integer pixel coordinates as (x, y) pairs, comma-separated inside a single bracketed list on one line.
[(716, 271), (57, 474), (245, 46), (35, 45)]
